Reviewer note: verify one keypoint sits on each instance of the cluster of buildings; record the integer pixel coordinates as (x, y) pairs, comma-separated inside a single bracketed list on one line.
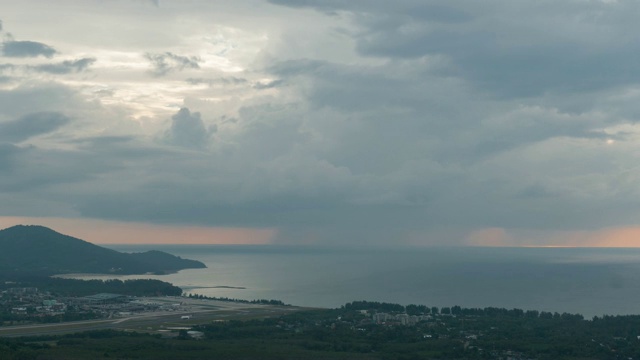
[(32, 303), (28, 300), (400, 319)]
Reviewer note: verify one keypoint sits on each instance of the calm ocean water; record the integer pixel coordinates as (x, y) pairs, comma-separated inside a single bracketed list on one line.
[(587, 281)]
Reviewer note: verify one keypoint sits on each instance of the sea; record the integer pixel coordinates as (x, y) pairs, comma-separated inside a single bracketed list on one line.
[(588, 281)]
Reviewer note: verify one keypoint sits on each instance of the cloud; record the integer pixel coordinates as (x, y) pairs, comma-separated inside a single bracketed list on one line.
[(13, 48), (436, 11), (421, 121), (163, 63), (220, 81), (261, 85), (38, 97), (65, 67), (31, 125), (3, 69), (495, 47), (35, 170), (7, 155), (188, 130)]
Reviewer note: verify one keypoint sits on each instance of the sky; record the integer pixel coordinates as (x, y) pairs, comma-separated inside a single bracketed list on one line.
[(359, 123)]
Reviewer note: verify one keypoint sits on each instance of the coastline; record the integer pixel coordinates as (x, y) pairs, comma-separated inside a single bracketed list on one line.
[(185, 288)]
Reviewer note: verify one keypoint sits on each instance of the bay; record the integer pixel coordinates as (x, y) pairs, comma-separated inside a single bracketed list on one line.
[(589, 281)]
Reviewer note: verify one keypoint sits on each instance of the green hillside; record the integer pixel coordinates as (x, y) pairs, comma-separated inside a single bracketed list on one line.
[(40, 249)]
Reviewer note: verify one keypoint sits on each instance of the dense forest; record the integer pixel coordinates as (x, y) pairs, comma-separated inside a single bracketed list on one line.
[(256, 301), (37, 249), (75, 287)]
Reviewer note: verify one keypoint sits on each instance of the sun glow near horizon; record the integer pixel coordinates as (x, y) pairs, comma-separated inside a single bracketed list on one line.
[(118, 232), (612, 237)]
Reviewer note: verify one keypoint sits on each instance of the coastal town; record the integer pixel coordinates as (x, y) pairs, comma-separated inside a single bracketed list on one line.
[(31, 311), (362, 329), (30, 302)]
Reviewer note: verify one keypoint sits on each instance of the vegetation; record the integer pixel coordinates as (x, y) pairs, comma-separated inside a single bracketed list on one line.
[(37, 249), (74, 288), (258, 301), (163, 262), (8, 318), (357, 330), (373, 305), (350, 333)]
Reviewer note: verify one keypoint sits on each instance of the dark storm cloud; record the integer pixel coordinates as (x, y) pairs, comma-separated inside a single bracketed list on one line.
[(23, 99), (31, 125), (58, 68), (65, 67), (13, 48), (7, 154), (196, 205), (435, 11), (118, 148), (188, 130), (537, 128), (406, 137), (421, 99), (36, 169), (513, 50), (164, 63), (522, 70), (104, 141), (394, 117), (327, 219), (354, 87), (434, 99)]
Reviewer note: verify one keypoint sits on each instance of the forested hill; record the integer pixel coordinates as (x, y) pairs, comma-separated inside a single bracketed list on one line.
[(42, 250)]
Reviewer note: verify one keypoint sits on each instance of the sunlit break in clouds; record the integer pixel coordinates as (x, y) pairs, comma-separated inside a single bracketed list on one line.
[(359, 123)]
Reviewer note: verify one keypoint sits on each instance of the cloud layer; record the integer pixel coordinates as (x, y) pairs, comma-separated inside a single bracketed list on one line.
[(412, 122), (31, 125), (18, 49)]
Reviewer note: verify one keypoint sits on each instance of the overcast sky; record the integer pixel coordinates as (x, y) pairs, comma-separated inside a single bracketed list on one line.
[(359, 122)]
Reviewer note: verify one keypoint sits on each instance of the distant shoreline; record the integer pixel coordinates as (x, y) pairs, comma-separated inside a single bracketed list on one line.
[(212, 287), (82, 276)]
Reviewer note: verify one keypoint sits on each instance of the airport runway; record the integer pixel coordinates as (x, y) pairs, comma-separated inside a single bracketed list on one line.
[(201, 312)]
